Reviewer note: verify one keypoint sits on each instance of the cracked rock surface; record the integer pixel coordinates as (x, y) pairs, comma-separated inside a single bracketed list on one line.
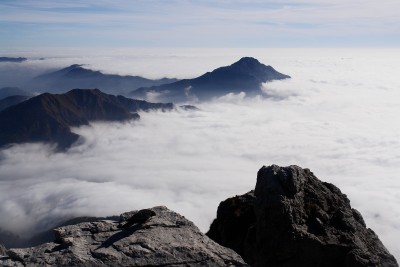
[(294, 219), (165, 239)]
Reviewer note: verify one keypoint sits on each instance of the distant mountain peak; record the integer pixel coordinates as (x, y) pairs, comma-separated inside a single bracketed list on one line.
[(245, 75), (13, 59), (48, 117), (251, 66), (246, 60), (70, 68), (74, 66), (81, 76), (12, 91)]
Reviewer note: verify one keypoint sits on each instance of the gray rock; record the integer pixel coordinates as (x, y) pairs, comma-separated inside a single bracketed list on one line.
[(297, 221), (3, 250), (139, 217), (166, 239)]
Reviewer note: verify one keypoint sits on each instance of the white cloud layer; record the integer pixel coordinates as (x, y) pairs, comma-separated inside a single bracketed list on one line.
[(337, 116)]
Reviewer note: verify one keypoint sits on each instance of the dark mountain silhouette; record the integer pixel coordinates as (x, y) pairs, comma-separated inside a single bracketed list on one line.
[(12, 91), (11, 101), (48, 117), (246, 75), (13, 59), (76, 76)]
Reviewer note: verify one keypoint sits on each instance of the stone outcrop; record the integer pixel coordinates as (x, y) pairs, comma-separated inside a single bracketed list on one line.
[(163, 239), (294, 219)]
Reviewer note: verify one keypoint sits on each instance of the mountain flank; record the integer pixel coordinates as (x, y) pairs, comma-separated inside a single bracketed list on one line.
[(11, 101), (245, 75), (77, 76), (12, 91), (48, 117)]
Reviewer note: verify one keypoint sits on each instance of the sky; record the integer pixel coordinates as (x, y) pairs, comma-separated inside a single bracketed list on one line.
[(28, 24)]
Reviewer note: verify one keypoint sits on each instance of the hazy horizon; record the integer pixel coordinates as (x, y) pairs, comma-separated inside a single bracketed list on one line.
[(237, 23)]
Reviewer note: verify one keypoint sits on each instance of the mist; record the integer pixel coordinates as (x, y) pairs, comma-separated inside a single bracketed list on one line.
[(337, 116)]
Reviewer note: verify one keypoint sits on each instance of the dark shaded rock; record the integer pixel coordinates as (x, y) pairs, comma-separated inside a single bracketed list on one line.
[(48, 117), (167, 239), (139, 217), (231, 227), (245, 75), (13, 59), (298, 221), (77, 76), (11, 101)]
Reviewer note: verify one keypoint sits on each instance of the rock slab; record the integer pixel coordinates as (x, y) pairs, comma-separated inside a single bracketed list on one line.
[(165, 239), (294, 219)]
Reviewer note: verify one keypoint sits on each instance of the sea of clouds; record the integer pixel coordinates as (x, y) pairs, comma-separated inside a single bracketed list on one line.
[(337, 116)]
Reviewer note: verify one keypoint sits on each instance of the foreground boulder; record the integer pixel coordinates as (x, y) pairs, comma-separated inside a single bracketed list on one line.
[(294, 219), (159, 237)]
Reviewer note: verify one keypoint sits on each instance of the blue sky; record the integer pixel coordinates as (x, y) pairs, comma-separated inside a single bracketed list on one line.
[(178, 23)]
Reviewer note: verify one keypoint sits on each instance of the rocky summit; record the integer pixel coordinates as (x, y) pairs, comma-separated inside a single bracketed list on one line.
[(160, 238), (294, 219)]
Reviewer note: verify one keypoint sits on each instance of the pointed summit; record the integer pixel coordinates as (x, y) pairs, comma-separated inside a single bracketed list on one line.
[(247, 61), (245, 75)]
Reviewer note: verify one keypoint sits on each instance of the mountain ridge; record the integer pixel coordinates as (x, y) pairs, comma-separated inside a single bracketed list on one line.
[(48, 117), (13, 59), (77, 76), (13, 91), (245, 75), (11, 101)]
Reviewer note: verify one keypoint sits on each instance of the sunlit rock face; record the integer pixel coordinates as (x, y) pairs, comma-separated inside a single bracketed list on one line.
[(163, 238)]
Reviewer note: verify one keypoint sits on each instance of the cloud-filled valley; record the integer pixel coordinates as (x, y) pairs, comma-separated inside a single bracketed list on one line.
[(337, 116)]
